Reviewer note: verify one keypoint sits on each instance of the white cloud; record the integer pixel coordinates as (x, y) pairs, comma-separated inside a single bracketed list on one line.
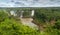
[(29, 3)]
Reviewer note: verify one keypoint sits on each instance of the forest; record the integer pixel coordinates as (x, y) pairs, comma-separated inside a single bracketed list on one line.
[(47, 20)]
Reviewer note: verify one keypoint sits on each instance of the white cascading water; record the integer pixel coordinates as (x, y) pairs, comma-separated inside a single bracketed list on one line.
[(32, 14), (13, 13), (21, 14)]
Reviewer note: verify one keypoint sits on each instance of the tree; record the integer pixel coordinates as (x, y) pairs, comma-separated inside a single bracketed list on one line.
[(3, 15)]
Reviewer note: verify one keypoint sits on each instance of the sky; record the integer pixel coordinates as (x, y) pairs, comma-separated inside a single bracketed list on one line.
[(29, 3)]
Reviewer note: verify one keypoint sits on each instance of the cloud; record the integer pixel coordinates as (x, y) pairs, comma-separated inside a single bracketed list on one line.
[(29, 3)]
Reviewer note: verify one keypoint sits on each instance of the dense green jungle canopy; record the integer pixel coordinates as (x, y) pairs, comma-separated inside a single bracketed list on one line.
[(47, 19)]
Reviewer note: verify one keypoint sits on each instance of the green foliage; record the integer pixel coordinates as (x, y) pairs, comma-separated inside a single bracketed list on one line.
[(26, 14), (3, 16), (47, 14), (57, 25), (12, 27)]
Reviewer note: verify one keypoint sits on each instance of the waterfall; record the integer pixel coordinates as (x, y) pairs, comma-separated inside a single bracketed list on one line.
[(21, 14), (32, 14), (13, 13)]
